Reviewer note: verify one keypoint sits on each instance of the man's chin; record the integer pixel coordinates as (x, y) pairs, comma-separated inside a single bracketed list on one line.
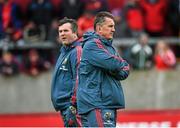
[(110, 38), (65, 43)]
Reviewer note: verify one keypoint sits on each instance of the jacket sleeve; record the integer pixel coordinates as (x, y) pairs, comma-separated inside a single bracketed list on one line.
[(100, 57), (75, 61), (120, 75), (73, 64)]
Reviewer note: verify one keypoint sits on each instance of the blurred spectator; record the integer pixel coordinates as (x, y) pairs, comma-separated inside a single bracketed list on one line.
[(8, 65), (164, 56), (32, 33), (113, 4), (56, 4), (52, 54), (120, 26), (34, 64), (133, 17), (41, 12), (71, 9), (10, 20), (85, 22), (53, 32), (154, 14), (140, 54), (173, 16), (97, 5), (22, 4)]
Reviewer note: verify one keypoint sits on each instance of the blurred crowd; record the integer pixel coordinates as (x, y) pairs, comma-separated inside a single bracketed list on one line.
[(36, 21), (142, 56)]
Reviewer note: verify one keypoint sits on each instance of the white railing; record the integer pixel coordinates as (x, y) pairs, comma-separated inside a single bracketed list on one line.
[(50, 45)]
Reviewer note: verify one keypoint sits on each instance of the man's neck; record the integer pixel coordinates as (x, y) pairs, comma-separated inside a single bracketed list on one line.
[(74, 39)]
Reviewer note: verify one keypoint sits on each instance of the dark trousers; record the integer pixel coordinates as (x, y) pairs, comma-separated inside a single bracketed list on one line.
[(99, 118), (70, 117)]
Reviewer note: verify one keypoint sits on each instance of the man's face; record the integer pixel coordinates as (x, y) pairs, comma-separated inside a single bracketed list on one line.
[(66, 35), (107, 28), (143, 40)]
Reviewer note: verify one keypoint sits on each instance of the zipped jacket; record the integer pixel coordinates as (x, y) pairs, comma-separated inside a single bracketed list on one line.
[(100, 73), (65, 79)]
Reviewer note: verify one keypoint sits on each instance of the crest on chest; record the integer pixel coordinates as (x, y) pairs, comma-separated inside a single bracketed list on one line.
[(65, 61), (64, 65)]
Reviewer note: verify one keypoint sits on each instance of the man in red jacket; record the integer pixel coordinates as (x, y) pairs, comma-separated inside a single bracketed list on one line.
[(154, 16)]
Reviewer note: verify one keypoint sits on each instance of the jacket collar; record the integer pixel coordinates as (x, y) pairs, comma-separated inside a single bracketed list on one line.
[(66, 48), (105, 41)]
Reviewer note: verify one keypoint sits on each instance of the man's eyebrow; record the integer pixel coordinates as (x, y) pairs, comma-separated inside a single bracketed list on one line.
[(63, 30)]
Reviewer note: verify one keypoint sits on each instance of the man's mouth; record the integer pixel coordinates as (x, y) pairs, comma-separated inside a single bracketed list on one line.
[(64, 38)]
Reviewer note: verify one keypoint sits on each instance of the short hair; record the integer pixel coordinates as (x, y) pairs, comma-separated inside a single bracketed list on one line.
[(100, 18), (71, 21)]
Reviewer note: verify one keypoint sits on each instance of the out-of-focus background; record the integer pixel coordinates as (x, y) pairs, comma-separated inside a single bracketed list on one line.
[(147, 36)]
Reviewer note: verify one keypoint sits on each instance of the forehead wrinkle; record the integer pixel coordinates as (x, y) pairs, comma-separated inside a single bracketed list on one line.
[(65, 26), (109, 21)]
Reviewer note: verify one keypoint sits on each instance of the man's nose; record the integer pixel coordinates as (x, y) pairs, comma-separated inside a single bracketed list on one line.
[(113, 29)]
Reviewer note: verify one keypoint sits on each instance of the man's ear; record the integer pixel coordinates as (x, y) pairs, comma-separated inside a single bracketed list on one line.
[(98, 28), (75, 35)]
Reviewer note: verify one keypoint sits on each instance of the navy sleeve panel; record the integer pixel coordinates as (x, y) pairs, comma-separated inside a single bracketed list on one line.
[(73, 58), (120, 75), (75, 61), (98, 56)]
